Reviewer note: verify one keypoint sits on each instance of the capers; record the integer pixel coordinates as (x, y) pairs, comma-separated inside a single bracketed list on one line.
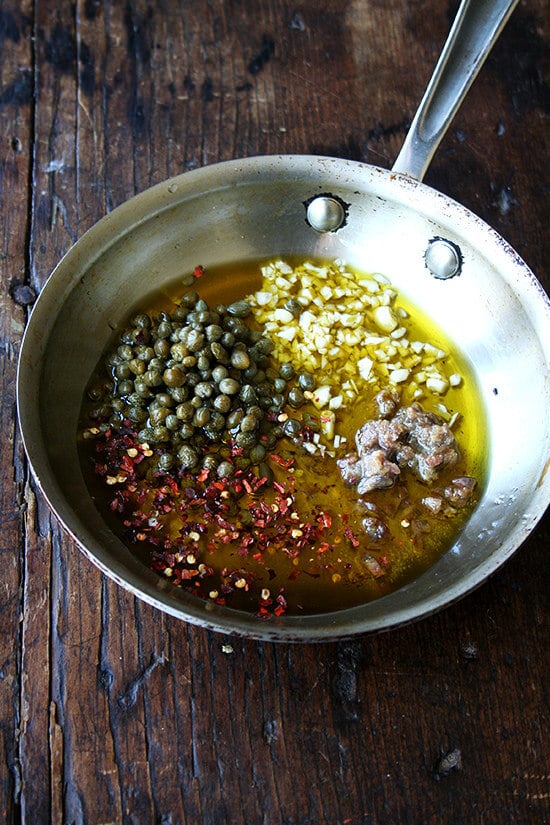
[(141, 321), (286, 370), (248, 394), (166, 461), (245, 440), (306, 381), (222, 403), (201, 417), (137, 366), (257, 453), (185, 411), (292, 426), (293, 307), (296, 397), (157, 415), (173, 377), (162, 347), (225, 469), (125, 387), (164, 329), (249, 423), (229, 386), (178, 351), (123, 370), (194, 382), (213, 332), (240, 359), (239, 309), (188, 457)]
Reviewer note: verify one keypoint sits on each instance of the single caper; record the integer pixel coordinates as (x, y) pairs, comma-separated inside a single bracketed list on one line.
[(172, 422), (125, 387), (249, 423), (126, 352), (178, 394), (164, 399), (157, 415), (292, 426), (234, 418), (286, 370), (306, 381), (158, 364), (128, 336), (203, 389), (123, 370), (219, 373), (142, 321), (185, 411), (219, 352), (188, 457), (137, 414), (217, 421), (164, 329), (166, 461), (213, 332), (239, 309), (201, 417), (245, 440), (225, 469), (186, 431), (137, 366), (222, 403), (250, 372), (248, 394), (152, 378), (264, 346), (228, 340), (296, 397), (195, 340), (203, 364), (173, 377), (240, 359), (257, 453), (211, 461), (141, 388), (190, 299), (229, 386), (144, 353)]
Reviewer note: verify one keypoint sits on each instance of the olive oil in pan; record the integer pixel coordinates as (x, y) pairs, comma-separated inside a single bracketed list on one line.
[(297, 544)]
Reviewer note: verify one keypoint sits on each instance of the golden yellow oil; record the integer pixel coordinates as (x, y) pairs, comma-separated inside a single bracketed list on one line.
[(314, 583)]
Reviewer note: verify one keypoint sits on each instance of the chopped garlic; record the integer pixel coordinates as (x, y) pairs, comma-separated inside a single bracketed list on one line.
[(350, 334)]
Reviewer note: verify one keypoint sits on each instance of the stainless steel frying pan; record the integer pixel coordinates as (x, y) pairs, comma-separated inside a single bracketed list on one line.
[(452, 265)]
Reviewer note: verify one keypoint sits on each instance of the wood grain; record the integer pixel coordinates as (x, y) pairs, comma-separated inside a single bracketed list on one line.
[(112, 712)]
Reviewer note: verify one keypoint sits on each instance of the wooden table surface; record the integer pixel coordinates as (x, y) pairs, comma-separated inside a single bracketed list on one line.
[(112, 712)]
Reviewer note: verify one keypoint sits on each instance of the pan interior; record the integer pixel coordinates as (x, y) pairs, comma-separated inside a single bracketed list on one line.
[(248, 210)]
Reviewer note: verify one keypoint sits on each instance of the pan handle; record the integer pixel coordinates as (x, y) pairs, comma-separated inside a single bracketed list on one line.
[(476, 28)]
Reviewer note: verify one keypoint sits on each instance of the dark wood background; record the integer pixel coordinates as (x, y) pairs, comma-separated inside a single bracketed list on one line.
[(110, 712)]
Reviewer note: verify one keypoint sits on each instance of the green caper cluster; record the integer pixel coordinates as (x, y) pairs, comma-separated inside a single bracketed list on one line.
[(195, 383)]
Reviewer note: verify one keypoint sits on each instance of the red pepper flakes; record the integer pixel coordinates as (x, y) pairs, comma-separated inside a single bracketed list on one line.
[(209, 512), (198, 271), (282, 462), (352, 538)]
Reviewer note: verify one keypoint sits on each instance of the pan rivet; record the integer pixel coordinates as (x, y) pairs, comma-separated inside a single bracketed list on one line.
[(443, 258), (325, 214)]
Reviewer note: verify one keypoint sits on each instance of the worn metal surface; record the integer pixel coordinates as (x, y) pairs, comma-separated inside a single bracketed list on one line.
[(494, 310), (113, 712)]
